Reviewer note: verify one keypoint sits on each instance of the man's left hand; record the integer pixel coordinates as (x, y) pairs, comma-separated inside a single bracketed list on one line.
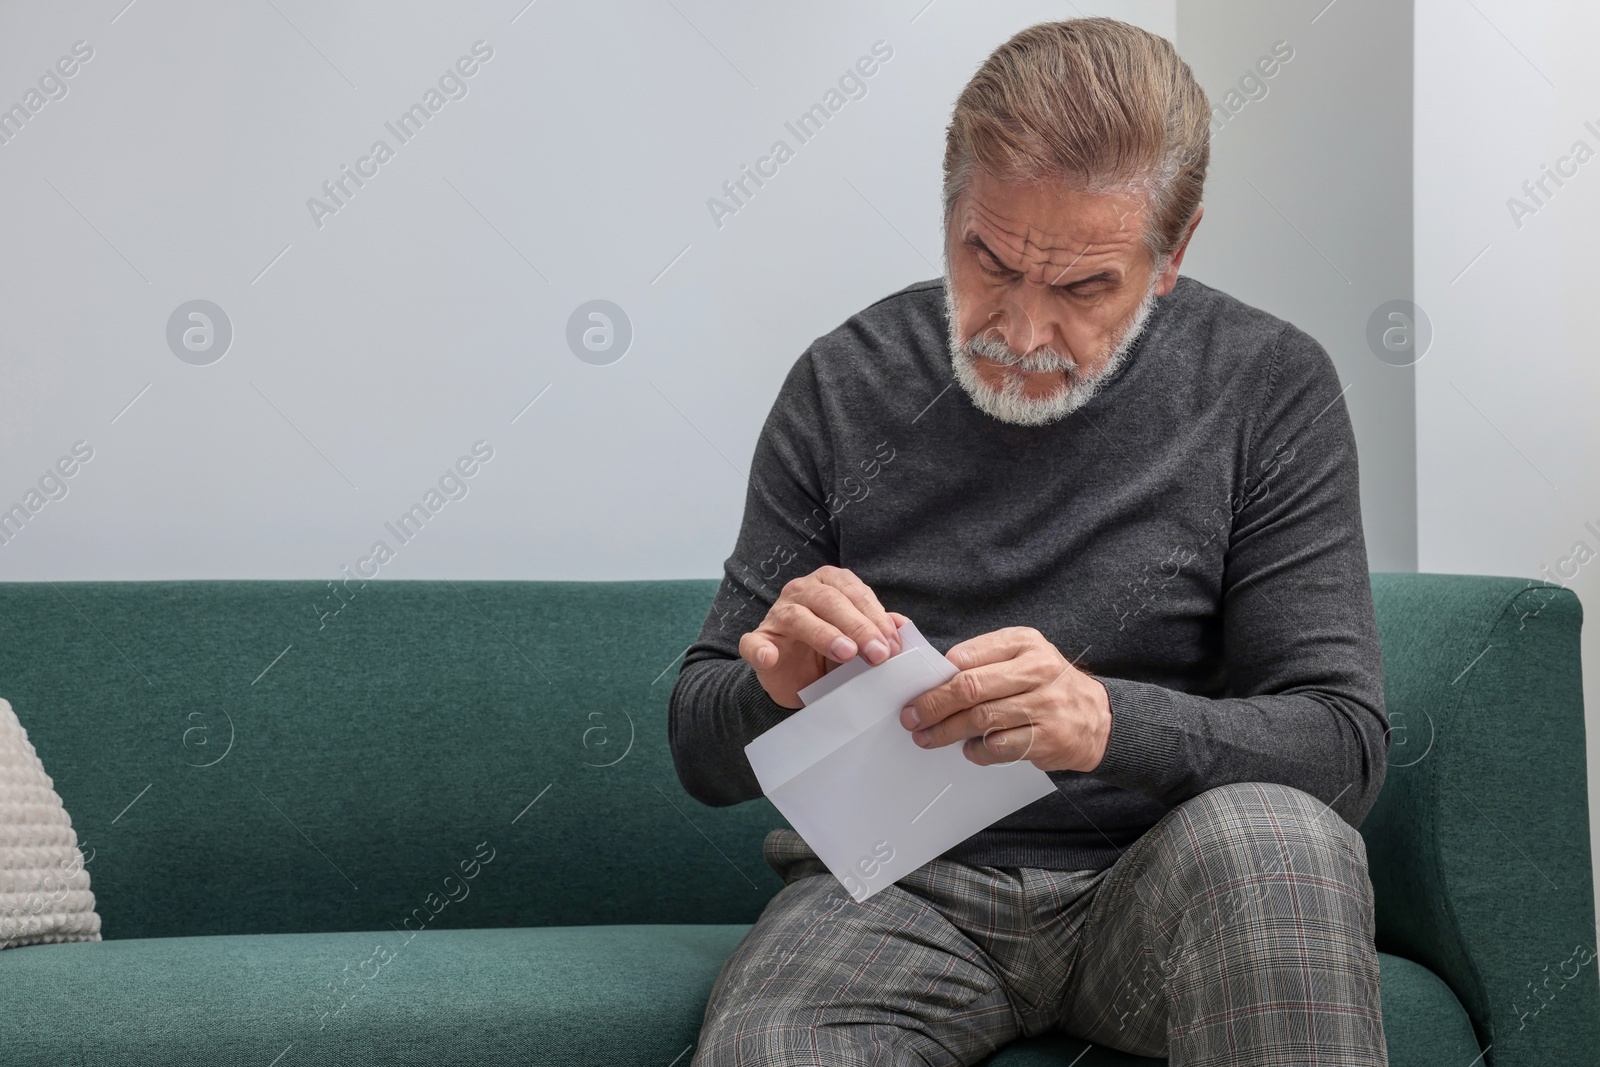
[(1016, 697)]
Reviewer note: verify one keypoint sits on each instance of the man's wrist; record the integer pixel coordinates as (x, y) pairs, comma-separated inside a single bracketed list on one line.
[(1142, 746), (1101, 734), (760, 711)]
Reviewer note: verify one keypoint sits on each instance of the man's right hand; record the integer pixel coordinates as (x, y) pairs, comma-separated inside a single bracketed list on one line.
[(822, 617)]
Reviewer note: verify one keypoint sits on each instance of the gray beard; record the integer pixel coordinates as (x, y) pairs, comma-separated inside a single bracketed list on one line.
[(1009, 404)]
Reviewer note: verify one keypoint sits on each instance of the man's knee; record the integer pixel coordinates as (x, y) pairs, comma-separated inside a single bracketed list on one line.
[(750, 1023), (749, 1041), (1258, 834), (777, 1031), (821, 979), (1260, 882)]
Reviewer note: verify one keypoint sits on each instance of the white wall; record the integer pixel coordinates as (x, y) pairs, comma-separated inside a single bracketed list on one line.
[(1507, 437), (371, 352), (1308, 205)]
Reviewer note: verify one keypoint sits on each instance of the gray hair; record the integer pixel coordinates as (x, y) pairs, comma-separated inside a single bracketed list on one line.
[(1098, 104)]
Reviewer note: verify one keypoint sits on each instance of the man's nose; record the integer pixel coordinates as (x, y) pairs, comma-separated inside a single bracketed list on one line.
[(1027, 320)]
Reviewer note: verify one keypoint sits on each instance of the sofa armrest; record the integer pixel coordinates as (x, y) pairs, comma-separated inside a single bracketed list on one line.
[(1479, 844)]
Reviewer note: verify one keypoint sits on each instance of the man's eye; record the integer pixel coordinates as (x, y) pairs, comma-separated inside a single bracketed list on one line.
[(991, 271)]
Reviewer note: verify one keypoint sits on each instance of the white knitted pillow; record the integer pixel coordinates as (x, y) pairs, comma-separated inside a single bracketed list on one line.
[(44, 889)]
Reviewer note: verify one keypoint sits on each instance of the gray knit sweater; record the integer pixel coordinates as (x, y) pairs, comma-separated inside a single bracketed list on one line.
[(1191, 536)]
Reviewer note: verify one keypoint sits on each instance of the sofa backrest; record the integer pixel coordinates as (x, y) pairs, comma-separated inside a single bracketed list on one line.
[(274, 756)]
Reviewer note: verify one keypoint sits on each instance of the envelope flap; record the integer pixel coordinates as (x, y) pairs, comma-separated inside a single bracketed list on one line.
[(840, 715)]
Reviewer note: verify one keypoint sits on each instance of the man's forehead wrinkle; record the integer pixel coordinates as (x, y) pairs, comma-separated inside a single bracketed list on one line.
[(1000, 226), (1025, 236), (1048, 263), (1035, 258), (1046, 257)]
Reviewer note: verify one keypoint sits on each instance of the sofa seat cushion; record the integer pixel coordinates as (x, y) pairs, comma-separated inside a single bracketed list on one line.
[(566, 994), (572, 995)]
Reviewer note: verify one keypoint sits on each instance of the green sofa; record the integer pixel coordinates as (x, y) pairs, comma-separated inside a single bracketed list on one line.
[(432, 822)]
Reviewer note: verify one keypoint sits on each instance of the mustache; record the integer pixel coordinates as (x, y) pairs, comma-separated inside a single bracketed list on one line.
[(1039, 360)]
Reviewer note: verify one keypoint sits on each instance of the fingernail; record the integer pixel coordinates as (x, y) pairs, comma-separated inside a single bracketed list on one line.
[(877, 651), (916, 720), (842, 649)]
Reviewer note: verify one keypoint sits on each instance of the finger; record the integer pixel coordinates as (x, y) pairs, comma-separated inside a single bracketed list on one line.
[(975, 721), (1007, 745), (899, 638), (866, 602), (992, 647), (759, 650), (967, 689), (830, 607), (794, 617)]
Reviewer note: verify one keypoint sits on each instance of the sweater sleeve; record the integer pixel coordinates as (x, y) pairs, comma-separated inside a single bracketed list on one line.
[(718, 705), (1304, 700)]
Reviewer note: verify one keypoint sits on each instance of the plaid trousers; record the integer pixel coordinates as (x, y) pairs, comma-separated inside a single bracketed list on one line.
[(1238, 930)]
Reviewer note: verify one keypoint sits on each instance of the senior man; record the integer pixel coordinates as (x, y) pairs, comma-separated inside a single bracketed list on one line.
[(1135, 530)]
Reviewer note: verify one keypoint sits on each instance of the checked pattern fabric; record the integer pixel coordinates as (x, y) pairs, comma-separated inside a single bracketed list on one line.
[(1238, 930)]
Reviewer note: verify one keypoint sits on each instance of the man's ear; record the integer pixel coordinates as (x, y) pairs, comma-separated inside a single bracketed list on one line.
[(1169, 277)]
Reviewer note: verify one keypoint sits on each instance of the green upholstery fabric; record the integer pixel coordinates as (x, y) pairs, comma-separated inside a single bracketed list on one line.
[(598, 995), (1479, 843), (386, 745), (375, 751), (603, 995)]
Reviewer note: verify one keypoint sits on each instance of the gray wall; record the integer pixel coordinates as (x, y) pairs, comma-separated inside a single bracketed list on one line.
[(372, 347), (1308, 206)]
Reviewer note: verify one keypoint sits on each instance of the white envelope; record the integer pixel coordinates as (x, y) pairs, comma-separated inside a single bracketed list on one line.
[(910, 637), (871, 802)]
